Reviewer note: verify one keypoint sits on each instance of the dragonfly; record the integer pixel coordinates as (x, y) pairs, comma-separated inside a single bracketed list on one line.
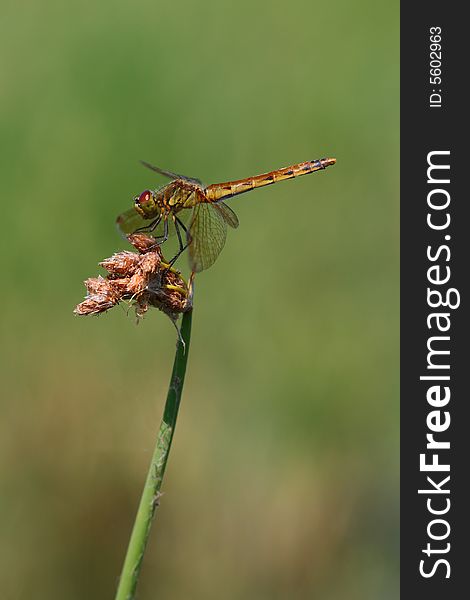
[(198, 214)]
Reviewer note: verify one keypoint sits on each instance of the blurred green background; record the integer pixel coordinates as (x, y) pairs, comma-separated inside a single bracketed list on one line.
[(283, 478)]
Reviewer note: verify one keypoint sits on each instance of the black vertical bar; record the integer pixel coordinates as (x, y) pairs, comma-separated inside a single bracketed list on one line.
[(433, 119)]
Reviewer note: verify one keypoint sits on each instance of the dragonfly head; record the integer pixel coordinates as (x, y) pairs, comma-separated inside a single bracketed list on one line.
[(145, 204)]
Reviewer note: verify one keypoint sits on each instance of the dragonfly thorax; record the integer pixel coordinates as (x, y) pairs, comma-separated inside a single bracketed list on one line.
[(172, 198)]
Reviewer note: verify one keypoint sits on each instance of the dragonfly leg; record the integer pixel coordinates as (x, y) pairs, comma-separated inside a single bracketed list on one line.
[(178, 223), (189, 239), (164, 237), (151, 226)]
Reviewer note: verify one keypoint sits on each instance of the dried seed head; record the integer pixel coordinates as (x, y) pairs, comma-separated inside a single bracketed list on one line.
[(101, 297), (144, 243), (150, 263), (143, 279), (121, 263), (97, 286)]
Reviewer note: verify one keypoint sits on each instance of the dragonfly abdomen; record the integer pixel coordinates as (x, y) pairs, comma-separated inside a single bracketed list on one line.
[(217, 191)]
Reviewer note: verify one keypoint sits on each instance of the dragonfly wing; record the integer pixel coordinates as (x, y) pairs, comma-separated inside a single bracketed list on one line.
[(208, 232), (130, 221), (169, 174), (227, 214)]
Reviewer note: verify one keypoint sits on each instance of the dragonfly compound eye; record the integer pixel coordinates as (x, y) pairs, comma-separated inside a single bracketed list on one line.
[(145, 198), (145, 204)]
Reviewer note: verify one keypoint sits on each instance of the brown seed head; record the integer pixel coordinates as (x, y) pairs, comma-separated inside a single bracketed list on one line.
[(144, 243), (144, 279), (121, 263)]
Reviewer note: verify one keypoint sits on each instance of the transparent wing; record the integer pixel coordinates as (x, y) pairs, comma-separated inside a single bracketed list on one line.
[(169, 174), (227, 213), (208, 232), (130, 221)]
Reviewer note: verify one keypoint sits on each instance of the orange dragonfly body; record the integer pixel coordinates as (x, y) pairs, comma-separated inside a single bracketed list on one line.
[(155, 211)]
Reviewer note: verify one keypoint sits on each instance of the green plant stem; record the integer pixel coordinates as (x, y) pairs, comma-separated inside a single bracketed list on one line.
[(150, 495)]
